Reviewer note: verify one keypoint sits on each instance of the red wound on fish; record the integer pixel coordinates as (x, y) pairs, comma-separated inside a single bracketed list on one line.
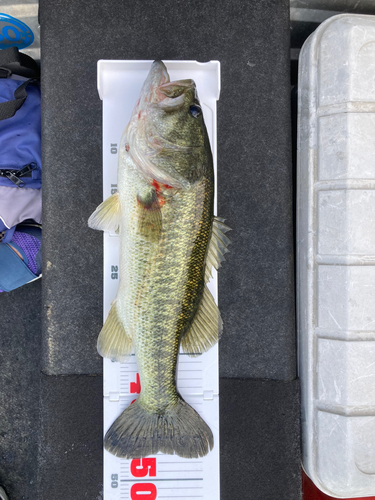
[(157, 185), (127, 147)]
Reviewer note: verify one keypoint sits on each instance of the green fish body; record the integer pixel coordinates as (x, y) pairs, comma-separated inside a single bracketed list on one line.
[(169, 241)]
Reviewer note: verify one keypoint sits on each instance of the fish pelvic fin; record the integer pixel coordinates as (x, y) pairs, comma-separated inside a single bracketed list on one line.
[(113, 341), (217, 247), (206, 328), (107, 216), (179, 430)]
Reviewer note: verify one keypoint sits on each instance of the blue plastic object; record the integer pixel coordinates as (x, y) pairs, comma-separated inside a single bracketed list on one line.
[(14, 33)]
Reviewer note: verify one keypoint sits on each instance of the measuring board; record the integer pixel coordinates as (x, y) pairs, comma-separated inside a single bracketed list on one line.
[(160, 476)]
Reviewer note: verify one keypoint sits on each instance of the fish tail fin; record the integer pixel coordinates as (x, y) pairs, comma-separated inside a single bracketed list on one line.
[(138, 433)]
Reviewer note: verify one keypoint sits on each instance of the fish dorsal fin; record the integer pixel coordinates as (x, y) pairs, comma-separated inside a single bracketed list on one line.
[(107, 216), (217, 247), (206, 327), (113, 341)]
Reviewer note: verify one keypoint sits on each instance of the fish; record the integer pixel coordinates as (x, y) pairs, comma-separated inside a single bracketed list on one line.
[(170, 240)]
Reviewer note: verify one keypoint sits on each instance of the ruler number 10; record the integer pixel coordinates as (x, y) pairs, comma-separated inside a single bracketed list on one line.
[(113, 149), (114, 480)]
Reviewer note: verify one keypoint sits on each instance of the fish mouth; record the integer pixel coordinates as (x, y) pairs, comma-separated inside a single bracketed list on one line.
[(172, 94), (157, 76), (158, 87), (175, 89)]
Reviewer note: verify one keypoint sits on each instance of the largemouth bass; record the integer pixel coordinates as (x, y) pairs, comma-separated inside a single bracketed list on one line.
[(169, 242)]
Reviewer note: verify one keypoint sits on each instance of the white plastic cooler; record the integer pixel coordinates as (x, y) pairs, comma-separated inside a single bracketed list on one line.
[(161, 476), (336, 255)]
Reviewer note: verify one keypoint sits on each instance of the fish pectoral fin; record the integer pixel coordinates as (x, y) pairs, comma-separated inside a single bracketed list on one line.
[(107, 216), (113, 341), (206, 327), (217, 247), (149, 214)]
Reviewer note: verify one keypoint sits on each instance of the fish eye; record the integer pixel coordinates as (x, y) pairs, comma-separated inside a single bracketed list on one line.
[(195, 110)]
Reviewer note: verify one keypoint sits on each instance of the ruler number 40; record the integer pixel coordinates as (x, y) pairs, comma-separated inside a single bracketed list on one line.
[(114, 480)]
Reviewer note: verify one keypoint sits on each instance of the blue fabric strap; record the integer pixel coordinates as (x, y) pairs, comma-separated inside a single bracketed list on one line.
[(13, 271), (9, 234)]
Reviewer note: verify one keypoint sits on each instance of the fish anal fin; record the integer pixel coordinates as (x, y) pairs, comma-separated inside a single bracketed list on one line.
[(206, 328), (113, 341), (217, 247), (107, 216)]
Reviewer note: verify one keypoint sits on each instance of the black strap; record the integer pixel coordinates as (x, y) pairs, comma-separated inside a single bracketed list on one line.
[(18, 63), (9, 108)]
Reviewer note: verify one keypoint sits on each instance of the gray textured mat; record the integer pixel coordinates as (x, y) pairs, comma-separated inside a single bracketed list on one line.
[(251, 40), (20, 341), (70, 455), (259, 440)]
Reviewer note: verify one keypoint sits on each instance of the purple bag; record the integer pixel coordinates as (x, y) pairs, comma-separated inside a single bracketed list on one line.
[(20, 154)]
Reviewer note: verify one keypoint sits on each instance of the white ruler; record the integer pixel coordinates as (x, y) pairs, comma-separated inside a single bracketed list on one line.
[(160, 476)]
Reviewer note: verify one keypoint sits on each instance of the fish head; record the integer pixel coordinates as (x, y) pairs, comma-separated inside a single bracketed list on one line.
[(166, 136)]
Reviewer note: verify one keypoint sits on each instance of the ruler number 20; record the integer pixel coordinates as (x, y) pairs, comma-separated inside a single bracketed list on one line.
[(114, 478), (114, 272)]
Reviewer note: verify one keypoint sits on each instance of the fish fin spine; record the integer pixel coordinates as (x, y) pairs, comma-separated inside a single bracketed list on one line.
[(206, 328), (107, 216), (179, 430), (113, 341), (218, 247)]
